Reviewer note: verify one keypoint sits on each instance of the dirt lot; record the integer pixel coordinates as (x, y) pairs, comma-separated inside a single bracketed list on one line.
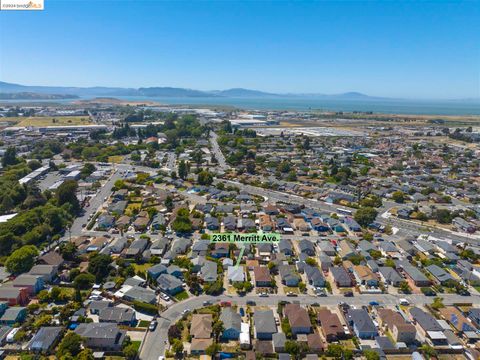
[(50, 120)]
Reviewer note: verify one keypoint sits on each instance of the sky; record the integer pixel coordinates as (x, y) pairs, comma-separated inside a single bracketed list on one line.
[(424, 50)]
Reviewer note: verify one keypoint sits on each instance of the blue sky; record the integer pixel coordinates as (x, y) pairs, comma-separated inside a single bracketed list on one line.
[(394, 49)]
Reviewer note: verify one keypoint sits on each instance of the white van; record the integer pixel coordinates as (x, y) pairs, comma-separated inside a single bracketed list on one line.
[(404, 302), (11, 335)]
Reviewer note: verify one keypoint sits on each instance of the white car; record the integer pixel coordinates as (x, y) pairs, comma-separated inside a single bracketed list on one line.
[(186, 311)]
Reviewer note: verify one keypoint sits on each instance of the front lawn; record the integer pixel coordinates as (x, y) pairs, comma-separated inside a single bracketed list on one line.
[(181, 296), (143, 323), (288, 289)]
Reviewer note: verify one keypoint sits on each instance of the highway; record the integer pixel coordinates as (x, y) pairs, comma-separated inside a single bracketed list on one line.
[(155, 342)]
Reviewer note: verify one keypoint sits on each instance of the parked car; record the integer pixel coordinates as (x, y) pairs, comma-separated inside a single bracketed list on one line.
[(153, 325), (348, 294)]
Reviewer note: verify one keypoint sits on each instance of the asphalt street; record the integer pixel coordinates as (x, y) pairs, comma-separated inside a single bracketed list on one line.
[(156, 341), (222, 163)]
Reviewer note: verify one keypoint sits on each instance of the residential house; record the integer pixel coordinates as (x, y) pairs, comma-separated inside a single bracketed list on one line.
[(246, 224), (331, 326), (264, 324), (351, 224), (365, 276), (169, 284), (341, 276), (137, 293), (266, 223), (288, 275), (285, 247), (13, 315), (326, 248), (390, 276), (441, 276), (298, 319), (47, 272), (428, 326), (136, 248), (45, 339), (279, 339), (158, 222), (34, 283), (208, 272), (306, 247), (212, 223), (101, 336), (229, 223), (119, 315), (232, 323), (314, 276), (51, 258), (361, 323), (415, 275), (401, 330), (235, 274), (201, 332), (156, 270), (262, 276), (346, 250)]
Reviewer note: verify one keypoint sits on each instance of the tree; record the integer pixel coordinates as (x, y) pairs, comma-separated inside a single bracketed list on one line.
[(212, 349), (174, 333), (251, 167), (218, 328), (130, 351), (67, 194), (182, 170), (292, 347), (21, 260), (177, 346), (85, 354), (405, 288), (68, 251), (99, 265), (428, 351), (10, 157), (371, 355), (398, 197), (437, 303), (83, 281), (205, 178), (365, 216), (339, 352), (197, 157), (87, 170), (169, 203), (70, 345), (443, 216)]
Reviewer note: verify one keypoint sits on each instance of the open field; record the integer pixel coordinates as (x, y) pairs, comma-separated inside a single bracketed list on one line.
[(115, 159), (50, 120)]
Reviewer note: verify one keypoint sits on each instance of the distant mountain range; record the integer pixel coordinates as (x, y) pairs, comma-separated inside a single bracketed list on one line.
[(16, 91), (34, 96), (8, 91)]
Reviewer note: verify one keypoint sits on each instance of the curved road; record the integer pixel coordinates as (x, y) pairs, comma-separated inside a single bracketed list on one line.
[(155, 342)]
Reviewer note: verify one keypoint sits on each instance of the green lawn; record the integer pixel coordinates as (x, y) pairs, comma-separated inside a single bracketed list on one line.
[(142, 267), (137, 344), (143, 323), (288, 289), (181, 296)]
